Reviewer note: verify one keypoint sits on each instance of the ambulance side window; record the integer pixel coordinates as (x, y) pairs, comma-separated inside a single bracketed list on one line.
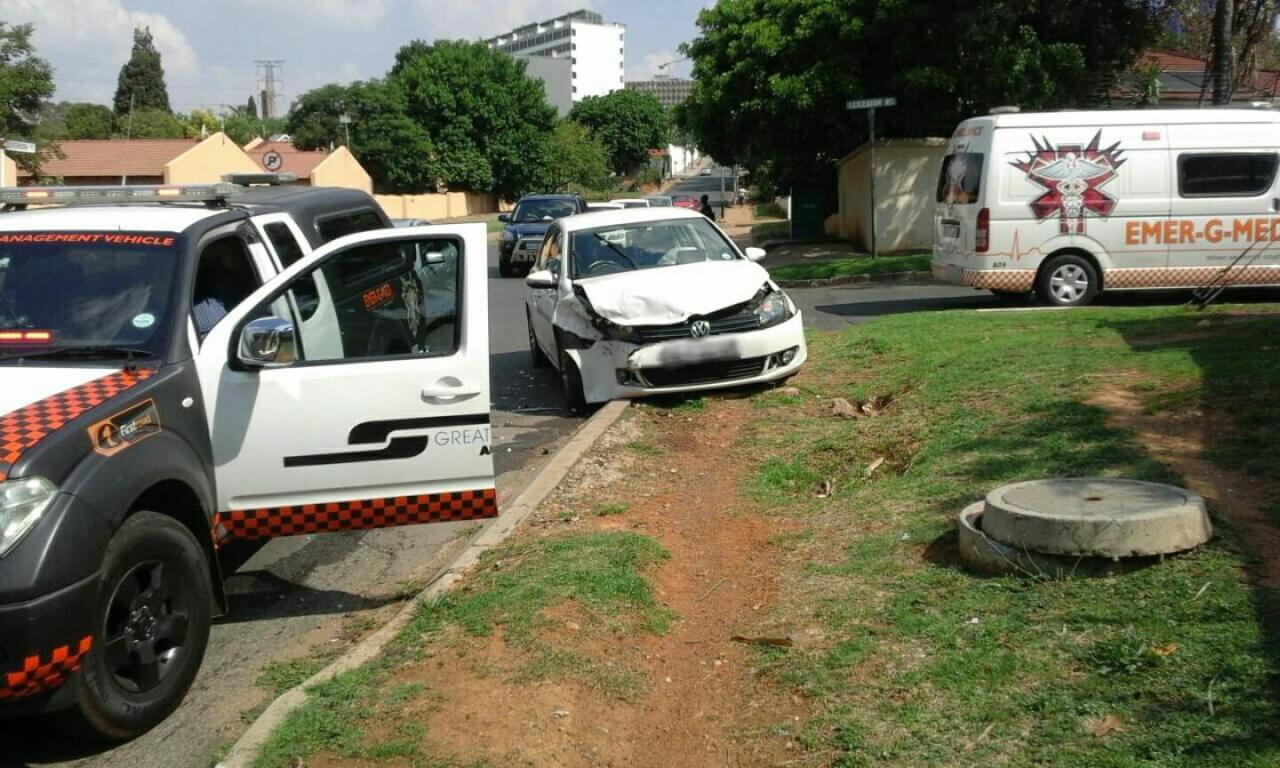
[(1226, 174), (224, 277)]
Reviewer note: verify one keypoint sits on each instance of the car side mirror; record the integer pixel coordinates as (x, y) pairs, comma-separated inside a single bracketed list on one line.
[(505, 218), (756, 254), (267, 342), (543, 279)]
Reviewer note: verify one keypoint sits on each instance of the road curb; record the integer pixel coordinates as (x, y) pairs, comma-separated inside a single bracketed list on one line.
[(246, 748), (884, 277)]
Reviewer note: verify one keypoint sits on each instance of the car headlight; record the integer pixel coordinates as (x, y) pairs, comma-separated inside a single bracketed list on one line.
[(22, 503), (507, 236), (615, 332), (772, 309)]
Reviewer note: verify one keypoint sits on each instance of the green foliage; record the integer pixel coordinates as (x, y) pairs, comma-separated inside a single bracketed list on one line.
[(88, 121), (396, 150), (141, 82), (250, 109), (243, 128), (152, 124), (576, 157), (490, 125), (771, 77), (628, 123), (26, 81)]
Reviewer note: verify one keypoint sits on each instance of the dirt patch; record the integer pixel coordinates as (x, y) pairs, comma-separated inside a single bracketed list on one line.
[(689, 697), (1180, 439)]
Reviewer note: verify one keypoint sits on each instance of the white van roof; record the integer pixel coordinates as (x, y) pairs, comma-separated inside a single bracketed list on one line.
[(1217, 116)]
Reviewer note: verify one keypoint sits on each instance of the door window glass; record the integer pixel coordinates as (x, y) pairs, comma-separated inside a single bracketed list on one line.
[(549, 259), (288, 250), (960, 179), (333, 227), (380, 300), (224, 277), (1243, 174)]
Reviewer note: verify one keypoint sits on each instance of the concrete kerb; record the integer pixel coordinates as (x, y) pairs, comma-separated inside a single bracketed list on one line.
[(882, 277), (246, 749)]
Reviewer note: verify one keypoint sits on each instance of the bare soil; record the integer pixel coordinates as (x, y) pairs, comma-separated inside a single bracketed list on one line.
[(1180, 439), (700, 700)]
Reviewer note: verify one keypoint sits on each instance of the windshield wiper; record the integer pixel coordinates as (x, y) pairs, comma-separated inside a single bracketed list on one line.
[(616, 250), (104, 350)]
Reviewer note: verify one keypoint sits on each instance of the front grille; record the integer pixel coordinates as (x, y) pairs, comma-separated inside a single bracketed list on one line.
[(737, 322), (529, 245), (704, 373)]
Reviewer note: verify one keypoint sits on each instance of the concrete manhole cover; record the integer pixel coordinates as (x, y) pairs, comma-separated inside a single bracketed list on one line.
[(1052, 527)]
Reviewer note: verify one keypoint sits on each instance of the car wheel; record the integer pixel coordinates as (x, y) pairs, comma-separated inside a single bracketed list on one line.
[(1068, 281), (536, 355), (504, 266), (571, 385), (151, 627)]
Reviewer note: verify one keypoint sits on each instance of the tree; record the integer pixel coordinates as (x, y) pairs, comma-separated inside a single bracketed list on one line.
[(577, 157), (243, 129), (141, 83), (26, 81), (151, 123), (396, 151), (490, 125), (771, 78), (88, 121), (628, 123), (251, 109)]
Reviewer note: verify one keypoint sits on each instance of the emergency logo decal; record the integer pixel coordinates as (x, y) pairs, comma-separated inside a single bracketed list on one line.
[(133, 425), (1073, 177), (38, 675), (252, 524), (23, 428)]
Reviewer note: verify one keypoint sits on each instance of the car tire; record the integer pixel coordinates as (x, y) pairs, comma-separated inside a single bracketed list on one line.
[(536, 355), (571, 385), (1068, 280), (150, 628), (504, 266)]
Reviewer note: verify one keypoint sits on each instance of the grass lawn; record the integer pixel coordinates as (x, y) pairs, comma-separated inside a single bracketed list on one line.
[(862, 264), (925, 664), (493, 224), (771, 230)]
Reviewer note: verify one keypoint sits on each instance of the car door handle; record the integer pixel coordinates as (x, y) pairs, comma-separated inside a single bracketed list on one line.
[(448, 390)]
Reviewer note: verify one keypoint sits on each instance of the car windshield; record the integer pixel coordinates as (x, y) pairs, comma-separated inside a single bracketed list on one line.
[(64, 291), (646, 245), (529, 211)]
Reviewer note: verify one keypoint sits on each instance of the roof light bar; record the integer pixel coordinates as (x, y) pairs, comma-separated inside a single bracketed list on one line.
[(186, 193), (268, 179)]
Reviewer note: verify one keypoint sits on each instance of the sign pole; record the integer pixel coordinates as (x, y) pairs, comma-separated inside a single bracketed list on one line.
[(871, 118)]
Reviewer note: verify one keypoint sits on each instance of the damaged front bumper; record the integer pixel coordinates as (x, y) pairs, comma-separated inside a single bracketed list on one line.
[(618, 369)]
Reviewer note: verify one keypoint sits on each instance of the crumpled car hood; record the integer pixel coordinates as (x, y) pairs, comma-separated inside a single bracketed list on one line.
[(667, 295)]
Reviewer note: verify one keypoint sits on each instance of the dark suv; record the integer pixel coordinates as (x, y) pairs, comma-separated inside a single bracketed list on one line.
[(526, 226)]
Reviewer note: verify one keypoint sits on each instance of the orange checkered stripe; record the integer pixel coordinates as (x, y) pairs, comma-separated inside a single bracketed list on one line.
[(1188, 277), (251, 524), (1000, 279), (23, 428), (38, 675)]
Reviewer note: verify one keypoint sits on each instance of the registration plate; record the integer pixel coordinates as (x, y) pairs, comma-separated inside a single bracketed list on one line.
[(951, 229)]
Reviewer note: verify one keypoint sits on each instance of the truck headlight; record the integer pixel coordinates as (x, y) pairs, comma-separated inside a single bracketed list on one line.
[(773, 309), (22, 503), (507, 236)]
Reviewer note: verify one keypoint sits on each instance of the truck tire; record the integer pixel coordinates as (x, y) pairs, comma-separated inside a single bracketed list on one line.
[(150, 628), (1068, 280)]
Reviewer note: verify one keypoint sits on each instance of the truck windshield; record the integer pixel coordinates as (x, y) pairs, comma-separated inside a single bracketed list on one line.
[(529, 211), (85, 291), (647, 245)]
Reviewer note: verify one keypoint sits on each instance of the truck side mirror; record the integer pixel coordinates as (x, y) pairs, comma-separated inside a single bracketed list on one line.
[(267, 342)]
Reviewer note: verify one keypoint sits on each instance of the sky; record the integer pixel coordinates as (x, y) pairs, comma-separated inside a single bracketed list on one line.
[(209, 48)]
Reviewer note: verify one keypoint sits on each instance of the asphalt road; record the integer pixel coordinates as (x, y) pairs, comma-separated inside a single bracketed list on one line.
[(300, 594)]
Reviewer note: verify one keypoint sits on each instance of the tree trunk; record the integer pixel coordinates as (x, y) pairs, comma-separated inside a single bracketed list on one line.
[(1222, 69)]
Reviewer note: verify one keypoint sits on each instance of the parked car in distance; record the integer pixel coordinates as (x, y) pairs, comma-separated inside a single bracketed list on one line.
[(685, 201), (705, 172), (655, 301), (632, 202), (659, 201), (1070, 204), (521, 238), (605, 207), (410, 223)]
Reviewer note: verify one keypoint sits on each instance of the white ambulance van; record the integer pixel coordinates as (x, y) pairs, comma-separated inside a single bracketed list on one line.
[(1070, 204)]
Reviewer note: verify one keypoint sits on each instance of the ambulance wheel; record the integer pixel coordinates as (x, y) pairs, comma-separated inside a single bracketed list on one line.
[(536, 355), (1067, 281), (151, 627), (571, 385)]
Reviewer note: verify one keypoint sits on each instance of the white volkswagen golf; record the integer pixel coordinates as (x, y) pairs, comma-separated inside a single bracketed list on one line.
[(654, 301)]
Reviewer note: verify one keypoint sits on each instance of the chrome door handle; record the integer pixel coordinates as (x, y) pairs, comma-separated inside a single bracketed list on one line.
[(448, 393)]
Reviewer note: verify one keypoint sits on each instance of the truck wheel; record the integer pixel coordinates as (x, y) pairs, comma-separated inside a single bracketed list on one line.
[(571, 385), (536, 355), (504, 266), (1068, 281), (151, 627)]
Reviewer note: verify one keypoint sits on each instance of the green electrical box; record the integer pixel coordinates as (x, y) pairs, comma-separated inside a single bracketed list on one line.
[(809, 211)]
